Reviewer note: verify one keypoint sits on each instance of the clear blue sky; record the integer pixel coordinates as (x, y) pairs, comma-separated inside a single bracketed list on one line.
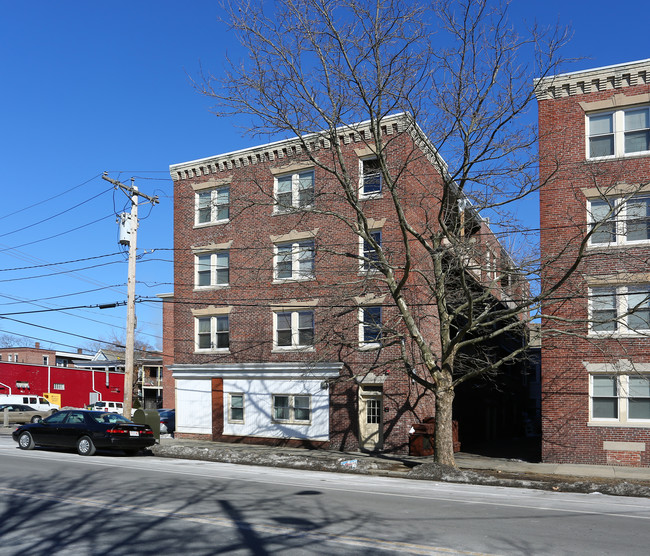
[(103, 86)]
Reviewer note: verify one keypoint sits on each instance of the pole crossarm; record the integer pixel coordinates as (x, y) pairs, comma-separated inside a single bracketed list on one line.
[(129, 189)]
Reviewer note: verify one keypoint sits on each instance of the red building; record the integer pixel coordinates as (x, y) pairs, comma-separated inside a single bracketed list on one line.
[(281, 325), (77, 387), (595, 170)]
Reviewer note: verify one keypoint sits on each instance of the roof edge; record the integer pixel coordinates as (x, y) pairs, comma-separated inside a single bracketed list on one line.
[(627, 74)]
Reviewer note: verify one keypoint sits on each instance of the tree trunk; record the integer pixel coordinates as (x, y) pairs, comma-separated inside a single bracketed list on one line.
[(444, 437)]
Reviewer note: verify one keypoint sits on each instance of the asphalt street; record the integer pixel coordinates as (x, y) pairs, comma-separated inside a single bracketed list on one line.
[(56, 502)]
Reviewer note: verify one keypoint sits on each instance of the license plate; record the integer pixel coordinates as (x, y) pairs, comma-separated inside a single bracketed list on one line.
[(134, 433)]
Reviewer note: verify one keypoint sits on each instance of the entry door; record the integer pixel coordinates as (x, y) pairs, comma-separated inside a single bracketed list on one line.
[(370, 417)]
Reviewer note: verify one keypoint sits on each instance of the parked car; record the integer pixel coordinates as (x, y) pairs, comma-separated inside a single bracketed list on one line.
[(167, 421), (19, 413), (37, 402), (86, 431), (110, 407)]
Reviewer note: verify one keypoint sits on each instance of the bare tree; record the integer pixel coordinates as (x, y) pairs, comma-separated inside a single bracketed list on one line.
[(462, 76), (9, 340)]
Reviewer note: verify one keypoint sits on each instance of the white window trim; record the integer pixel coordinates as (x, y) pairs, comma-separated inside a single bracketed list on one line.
[(622, 382), (622, 308), (295, 191), (213, 332), (363, 345), (619, 216), (295, 319), (296, 251), (213, 269), (618, 123), (365, 266), (229, 408), (292, 418), (213, 206), (362, 193)]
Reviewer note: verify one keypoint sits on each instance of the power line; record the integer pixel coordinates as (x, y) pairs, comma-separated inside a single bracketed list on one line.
[(61, 262), (14, 212), (55, 215), (31, 301), (52, 329), (52, 310), (112, 215)]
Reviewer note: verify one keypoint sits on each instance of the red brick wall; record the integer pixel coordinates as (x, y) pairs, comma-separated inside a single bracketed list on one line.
[(31, 356), (564, 173), (252, 291), (168, 382)]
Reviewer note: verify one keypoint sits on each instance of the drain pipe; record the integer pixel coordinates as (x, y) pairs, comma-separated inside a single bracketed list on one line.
[(99, 396)]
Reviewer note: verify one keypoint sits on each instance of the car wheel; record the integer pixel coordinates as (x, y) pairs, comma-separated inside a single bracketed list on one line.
[(85, 446), (25, 441), (36, 419)]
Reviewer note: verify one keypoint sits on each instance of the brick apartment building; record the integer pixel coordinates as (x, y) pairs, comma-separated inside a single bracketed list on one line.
[(39, 356), (595, 170), (280, 329)]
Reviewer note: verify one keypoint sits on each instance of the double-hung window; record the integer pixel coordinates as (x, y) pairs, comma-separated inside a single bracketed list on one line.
[(292, 408), (370, 326), (619, 132), (621, 309), (620, 221), (294, 191), (212, 206), (621, 399), (212, 269), (295, 260), (294, 329), (371, 179), (236, 408), (369, 255), (213, 333)]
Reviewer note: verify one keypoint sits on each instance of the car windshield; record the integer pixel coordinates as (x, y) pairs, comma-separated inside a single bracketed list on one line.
[(100, 404), (101, 417)]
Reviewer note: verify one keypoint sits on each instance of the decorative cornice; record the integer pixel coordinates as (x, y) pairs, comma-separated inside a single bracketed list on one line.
[(283, 150), (593, 80)]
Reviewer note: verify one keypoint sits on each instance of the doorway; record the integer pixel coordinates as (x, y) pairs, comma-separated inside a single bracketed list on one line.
[(370, 417)]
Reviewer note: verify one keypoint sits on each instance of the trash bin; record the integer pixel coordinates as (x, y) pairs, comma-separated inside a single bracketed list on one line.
[(421, 440), (148, 417)]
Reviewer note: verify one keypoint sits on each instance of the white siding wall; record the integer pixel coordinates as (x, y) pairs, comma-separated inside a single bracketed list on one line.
[(194, 406), (258, 408)]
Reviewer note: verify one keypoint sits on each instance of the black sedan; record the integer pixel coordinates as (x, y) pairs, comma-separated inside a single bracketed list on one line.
[(86, 431)]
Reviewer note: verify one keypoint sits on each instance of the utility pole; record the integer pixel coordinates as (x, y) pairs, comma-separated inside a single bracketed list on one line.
[(130, 238)]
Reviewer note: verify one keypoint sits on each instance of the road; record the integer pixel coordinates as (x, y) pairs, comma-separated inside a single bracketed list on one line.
[(54, 502)]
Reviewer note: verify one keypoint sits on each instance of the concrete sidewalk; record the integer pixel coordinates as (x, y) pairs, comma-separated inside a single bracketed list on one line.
[(381, 463), (378, 464), (475, 462)]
